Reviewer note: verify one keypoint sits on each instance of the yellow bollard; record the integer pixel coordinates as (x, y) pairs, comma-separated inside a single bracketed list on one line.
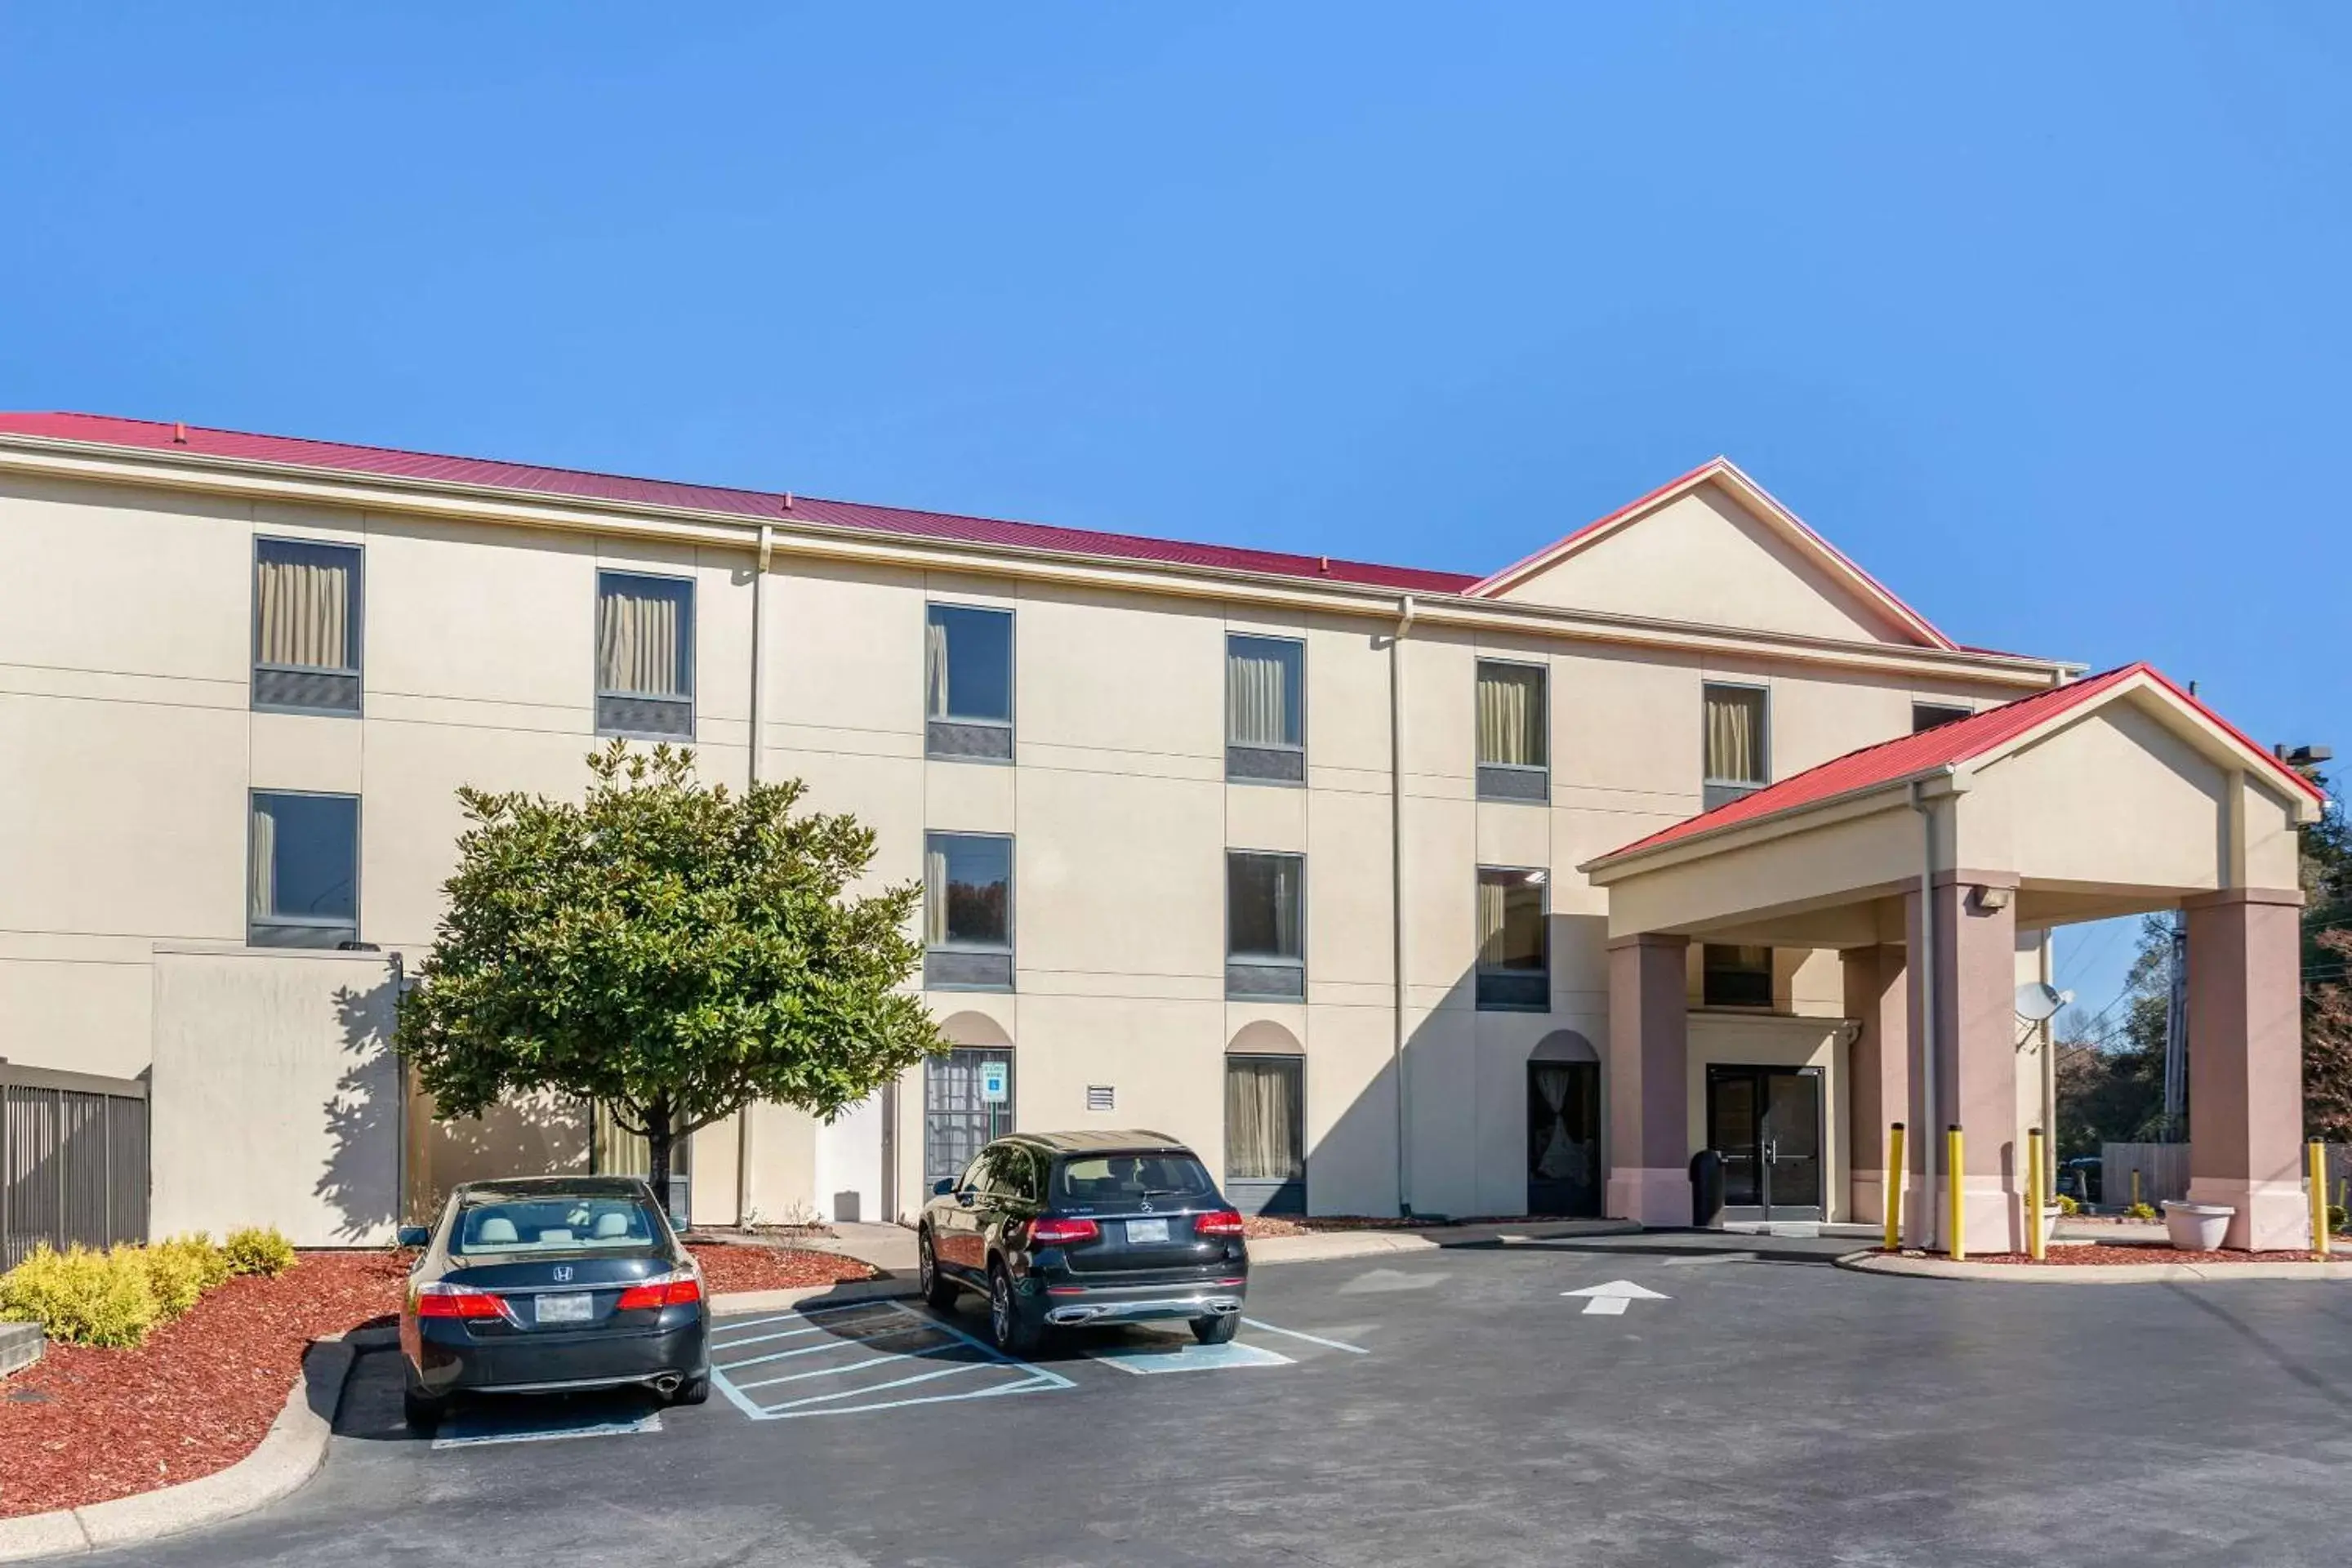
[(1958, 1247), (1893, 1187), (2317, 1154), (2034, 1242)]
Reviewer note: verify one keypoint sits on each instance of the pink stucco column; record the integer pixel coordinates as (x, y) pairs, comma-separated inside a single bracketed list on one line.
[(1878, 1071), (2245, 1063), (1976, 1058), (1649, 1080)]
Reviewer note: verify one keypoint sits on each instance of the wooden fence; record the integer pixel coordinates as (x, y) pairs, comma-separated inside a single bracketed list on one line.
[(2164, 1172)]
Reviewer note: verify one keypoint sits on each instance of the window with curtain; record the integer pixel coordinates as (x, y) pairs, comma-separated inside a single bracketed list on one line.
[(1735, 741), (968, 664), (1511, 715), (304, 878), (1735, 976), (1266, 692), (967, 890), (1514, 941), (645, 637), (1264, 907), (1266, 1119), (306, 606)]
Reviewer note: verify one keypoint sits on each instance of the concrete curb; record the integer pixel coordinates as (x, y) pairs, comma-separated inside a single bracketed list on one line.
[(2089, 1274), (1322, 1246), (289, 1453), (889, 1287)]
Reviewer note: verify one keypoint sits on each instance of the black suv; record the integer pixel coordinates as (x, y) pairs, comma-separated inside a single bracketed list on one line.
[(1085, 1227)]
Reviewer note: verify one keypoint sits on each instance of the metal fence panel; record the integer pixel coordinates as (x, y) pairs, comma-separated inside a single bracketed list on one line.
[(73, 1167)]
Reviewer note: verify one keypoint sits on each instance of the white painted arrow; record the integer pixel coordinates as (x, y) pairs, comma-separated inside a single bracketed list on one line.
[(1608, 1300)]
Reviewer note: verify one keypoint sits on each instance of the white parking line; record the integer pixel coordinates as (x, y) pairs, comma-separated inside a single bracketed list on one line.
[(834, 1344), (1310, 1339), (853, 1366), (842, 1336)]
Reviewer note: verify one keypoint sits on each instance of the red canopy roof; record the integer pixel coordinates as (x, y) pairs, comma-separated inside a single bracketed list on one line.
[(1926, 752)]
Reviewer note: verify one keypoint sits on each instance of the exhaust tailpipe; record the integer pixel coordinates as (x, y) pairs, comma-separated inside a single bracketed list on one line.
[(666, 1383)]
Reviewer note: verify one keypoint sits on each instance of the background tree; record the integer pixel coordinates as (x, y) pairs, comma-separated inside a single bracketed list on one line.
[(2327, 872), (670, 951)]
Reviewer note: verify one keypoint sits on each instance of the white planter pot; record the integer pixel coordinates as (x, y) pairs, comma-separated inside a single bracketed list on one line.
[(2197, 1227)]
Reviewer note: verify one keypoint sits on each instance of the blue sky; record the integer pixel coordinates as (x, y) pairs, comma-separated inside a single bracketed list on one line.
[(2040, 313)]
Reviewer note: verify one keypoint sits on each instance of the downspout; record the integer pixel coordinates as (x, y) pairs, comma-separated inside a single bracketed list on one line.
[(1396, 896), (759, 741), (1930, 1130)]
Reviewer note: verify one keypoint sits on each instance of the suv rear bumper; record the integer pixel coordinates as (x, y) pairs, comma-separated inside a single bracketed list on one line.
[(1067, 1304)]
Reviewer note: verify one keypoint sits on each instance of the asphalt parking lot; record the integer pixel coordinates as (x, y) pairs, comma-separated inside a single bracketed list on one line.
[(1654, 1399)]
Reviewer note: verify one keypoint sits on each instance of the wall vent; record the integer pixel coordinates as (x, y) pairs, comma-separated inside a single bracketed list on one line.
[(1101, 1097)]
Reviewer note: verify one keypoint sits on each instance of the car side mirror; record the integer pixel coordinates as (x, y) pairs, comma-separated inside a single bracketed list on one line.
[(416, 1236), (943, 1186)]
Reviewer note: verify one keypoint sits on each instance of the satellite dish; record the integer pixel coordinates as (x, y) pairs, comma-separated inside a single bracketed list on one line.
[(2037, 1000)]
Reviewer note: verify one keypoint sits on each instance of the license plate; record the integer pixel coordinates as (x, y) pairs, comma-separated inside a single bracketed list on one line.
[(1139, 1231), (564, 1308)]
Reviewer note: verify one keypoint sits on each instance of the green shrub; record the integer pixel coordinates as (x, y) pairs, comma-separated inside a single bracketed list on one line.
[(2337, 1219), (258, 1249), (2067, 1204), (174, 1277), (2141, 1211), (81, 1297)]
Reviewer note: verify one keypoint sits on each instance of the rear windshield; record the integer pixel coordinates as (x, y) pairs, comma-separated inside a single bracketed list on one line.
[(554, 1225), (1123, 1178)]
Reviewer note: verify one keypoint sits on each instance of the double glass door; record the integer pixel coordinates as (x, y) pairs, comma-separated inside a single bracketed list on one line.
[(1766, 1124)]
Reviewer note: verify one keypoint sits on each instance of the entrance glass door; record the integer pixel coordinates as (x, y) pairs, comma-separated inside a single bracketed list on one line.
[(1564, 1139), (958, 1120), (1766, 1124)]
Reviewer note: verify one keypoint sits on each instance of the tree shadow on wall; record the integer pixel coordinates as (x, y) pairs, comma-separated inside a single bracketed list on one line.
[(360, 1182)]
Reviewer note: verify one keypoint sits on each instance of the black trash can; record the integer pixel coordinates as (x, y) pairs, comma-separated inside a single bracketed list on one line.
[(1707, 1188)]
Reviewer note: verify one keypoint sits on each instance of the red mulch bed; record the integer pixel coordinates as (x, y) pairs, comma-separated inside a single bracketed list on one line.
[(742, 1267), (200, 1393), (193, 1399), (2100, 1254)]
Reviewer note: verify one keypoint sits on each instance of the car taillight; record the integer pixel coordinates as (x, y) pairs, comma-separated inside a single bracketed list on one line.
[(663, 1290), (1048, 1231), (1224, 1222), (458, 1302)]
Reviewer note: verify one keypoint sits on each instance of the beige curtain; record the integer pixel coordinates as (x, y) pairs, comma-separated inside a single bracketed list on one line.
[(935, 669), (1262, 1119), (1491, 949), (639, 641), (1511, 714), (265, 862), (304, 607), (1735, 736), (1257, 699), (935, 894)]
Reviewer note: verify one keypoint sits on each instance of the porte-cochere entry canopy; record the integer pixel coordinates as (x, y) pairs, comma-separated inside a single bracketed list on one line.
[(2111, 795)]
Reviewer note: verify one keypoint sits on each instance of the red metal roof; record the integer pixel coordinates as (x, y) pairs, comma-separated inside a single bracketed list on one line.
[(1946, 745), (293, 452)]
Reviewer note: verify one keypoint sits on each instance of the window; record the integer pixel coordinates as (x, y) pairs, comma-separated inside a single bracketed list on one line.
[(1265, 710), (615, 1151), (306, 626), (1928, 715), (1736, 976), (554, 1225), (1265, 1133), (644, 657), (968, 683), (306, 870), (1265, 909), (1009, 1170), (968, 912), (1737, 750), (1512, 761), (1514, 946), (1120, 1181)]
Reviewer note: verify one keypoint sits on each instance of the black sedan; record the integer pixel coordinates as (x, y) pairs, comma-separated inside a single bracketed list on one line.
[(547, 1285), (1059, 1228)]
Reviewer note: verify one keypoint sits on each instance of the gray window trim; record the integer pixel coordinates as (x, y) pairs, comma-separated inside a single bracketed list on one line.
[(1010, 724), (1298, 749), (1765, 745), (359, 860), (1265, 960), (693, 632), (357, 611)]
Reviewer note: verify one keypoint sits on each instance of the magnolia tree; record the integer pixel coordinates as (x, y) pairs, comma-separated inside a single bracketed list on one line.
[(668, 950)]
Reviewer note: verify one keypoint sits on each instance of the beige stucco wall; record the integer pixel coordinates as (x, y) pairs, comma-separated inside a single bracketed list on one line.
[(275, 1098), (477, 670)]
